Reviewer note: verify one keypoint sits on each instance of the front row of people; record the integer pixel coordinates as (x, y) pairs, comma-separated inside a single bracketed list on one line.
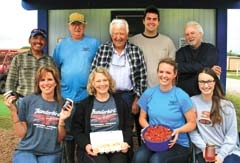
[(206, 118)]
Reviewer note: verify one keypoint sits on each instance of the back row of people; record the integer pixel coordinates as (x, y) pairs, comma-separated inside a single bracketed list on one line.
[(126, 62)]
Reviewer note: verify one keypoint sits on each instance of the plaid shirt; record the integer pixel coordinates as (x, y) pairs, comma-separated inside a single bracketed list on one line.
[(21, 75), (136, 61)]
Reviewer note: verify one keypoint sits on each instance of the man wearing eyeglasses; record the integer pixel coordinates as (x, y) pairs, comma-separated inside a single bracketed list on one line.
[(193, 57), (73, 56), (21, 75), (126, 64)]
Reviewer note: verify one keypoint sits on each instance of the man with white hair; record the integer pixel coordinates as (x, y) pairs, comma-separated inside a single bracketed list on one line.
[(126, 64), (193, 57)]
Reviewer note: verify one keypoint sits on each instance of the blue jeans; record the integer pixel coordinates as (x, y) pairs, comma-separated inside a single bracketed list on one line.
[(28, 157), (229, 159), (177, 154)]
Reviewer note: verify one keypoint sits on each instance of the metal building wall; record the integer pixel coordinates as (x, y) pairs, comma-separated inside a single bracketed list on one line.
[(172, 23)]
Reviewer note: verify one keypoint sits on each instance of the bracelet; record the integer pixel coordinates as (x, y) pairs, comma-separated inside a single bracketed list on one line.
[(16, 121), (61, 125)]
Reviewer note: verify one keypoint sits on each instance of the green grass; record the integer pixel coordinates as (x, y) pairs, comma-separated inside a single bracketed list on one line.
[(233, 75), (235, 98), (5, 120)]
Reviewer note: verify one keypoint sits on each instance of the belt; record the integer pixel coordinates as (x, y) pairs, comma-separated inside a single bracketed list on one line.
[(124, 91)]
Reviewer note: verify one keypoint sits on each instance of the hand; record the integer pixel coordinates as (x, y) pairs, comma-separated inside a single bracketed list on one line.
[(217, 160), (8, 100), (175, 137), (135, 107), (125, 147), (217, 70), (89, 150), (141, 134), (65, 113)]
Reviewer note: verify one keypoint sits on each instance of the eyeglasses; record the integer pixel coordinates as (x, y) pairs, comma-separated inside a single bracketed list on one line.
[(203, 82), (77, 24)]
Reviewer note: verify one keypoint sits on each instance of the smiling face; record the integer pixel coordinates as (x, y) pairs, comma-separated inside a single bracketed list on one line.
[(151, 23), (206, 84), (119, 36), (193, 36), (166, 75), (37, 43), (47, 84), (101, 84), (77, 30)]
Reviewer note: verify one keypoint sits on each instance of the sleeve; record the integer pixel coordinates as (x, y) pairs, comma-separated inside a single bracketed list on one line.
[(23, 109), (195, 137), (56, 56), (231, 135), (128, 123), (141, 76), (172, 49), (96, 59), (184, 99), (209, 57), (144, 99), (12, 77), (78, 127), (197, 140)]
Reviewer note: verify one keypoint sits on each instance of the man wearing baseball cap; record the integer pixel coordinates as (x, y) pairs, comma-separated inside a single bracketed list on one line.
[(73, 56), (21, 75), (76, 17), (36, 32)]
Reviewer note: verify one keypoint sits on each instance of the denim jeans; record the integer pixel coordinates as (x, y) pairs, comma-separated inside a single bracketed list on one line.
[(177, 154), (28, 157), (229, 159)]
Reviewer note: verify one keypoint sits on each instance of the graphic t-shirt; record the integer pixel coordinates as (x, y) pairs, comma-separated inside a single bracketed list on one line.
[(42, 120), (104, 116)]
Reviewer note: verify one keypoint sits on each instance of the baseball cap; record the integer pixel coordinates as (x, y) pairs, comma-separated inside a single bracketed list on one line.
[(38, 31), (76, 17)]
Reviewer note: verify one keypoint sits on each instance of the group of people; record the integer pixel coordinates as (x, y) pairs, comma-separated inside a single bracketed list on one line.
[(128, 82)]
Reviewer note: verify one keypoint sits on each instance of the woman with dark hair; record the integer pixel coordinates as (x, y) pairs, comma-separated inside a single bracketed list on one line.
[(216, 120), (39, 121)]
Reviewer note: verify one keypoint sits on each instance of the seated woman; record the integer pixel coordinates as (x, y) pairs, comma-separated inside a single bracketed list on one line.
[(39, 121), (102, 110), (216, 121), (166, 104)]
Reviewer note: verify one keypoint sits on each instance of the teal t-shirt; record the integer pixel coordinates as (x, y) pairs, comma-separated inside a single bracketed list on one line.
[(167, 108), (74, 59)]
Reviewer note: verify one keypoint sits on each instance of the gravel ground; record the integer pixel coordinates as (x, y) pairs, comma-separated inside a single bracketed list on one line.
[(8, 142)]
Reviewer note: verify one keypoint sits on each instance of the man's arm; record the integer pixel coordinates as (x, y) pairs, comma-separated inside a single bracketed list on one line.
[(208, 57)]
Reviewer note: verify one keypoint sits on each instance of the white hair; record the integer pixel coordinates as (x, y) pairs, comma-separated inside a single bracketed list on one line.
[(198, 26), (119, 23)]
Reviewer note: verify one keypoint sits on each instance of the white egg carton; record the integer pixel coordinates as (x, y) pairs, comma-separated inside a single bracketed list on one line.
[(107, 141)]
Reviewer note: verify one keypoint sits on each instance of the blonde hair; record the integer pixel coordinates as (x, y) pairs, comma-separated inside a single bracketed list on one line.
[(90, 88)]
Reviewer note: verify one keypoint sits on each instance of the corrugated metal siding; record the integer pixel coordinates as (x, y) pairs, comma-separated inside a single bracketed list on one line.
[(172, 23)]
